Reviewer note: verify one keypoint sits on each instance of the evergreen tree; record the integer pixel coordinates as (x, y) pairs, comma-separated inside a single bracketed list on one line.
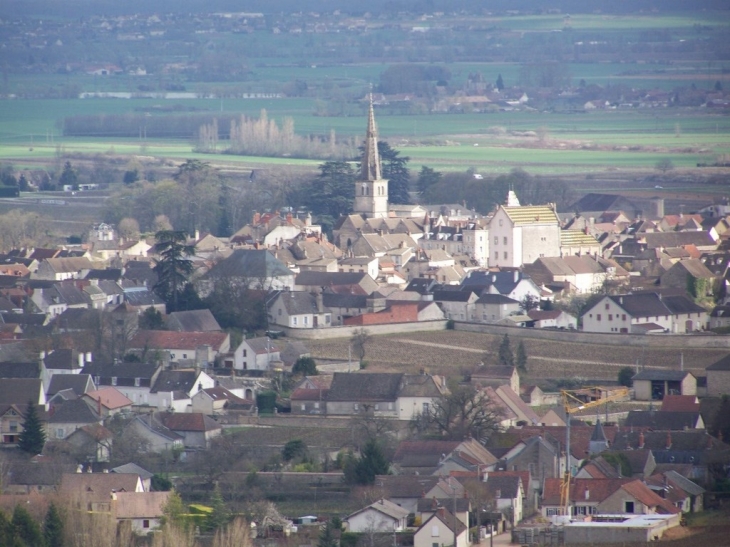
[(500, 82), (505, 355), (427, 177), (174, 265), (327, 537), (69, 176), (8, 535), (395, 171), (333, 191), (33, 437), (173, 510), (306, 366), (26, 528), (53, 527), (521, 357), (219, 516), (372, 462)]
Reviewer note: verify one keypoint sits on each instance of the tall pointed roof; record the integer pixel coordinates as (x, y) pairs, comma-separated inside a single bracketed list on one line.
[(598, 433), (370, 168)]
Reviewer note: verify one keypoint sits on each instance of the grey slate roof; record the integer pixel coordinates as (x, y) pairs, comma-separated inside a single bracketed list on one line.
[(62, 359), (496, 299), (76, 411), (132, 468), (79, 383), (252, 263), (722, 364), (684, 483), (364, 387), (328, 279), (193, 321), (598, 433), (20, 370), (662, 419), (406, 486), (299, 302), (641, 304), (661, 375), (175, 380), (18, 391)]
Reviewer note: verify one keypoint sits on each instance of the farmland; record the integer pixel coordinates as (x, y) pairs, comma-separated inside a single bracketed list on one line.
[(453, 352)]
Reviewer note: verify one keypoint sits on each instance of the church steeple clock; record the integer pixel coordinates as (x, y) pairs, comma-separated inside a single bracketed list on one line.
[(371, 190)]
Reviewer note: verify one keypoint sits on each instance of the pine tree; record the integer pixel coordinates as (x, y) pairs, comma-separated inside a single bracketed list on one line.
[(219, 516), (174, 265), (500, 82), (33, 437), (372, 462), (53, 527), (506, 357), (521, 357), (326, 537), (8, 535), (26, 528)]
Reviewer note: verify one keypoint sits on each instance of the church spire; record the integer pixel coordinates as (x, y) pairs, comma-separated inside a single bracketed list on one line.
[(370, 168)]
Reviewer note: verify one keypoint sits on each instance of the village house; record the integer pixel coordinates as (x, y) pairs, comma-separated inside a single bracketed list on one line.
[(256, 354), (718, 377), (654, 384), (298, 310), (441, 530), (196, 429), (382, 516), (185, 348), (173, 389), (133, 380)]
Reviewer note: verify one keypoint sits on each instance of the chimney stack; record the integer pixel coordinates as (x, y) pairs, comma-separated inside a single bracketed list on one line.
[(641, 440), (669, 441)]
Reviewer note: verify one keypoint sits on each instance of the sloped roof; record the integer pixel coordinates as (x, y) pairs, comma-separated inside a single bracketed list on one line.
[(110, 398), (187, 421), (364, 386), (662, 419), (101, 484), (140, 505), (175, 380), (678, 239), (643, 494), (73, 412), (384, 506), (576, 238), (62, 359), (598, 489), (452, 523), (421, 385), (661, 374), (20, 370), (132, 468), (161, 339), (79, 383), (531, 214), (71, 264), (721, 365), (680, 403), (18, 391), (252, 263), (406, 486), (193, 321)]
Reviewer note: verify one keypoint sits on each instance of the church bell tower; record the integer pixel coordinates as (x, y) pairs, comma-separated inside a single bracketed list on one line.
[(371, 190)]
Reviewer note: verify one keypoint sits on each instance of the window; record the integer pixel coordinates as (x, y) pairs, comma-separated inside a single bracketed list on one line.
[(505, 241), (13, 427), (610, 317), (278, 311), (628, 507), (598, 317), (356, 406), (623, 317), (425, 408), (501, 222), (505, 255), (607, 306), (434, 531), (391, 406), (185, 355), (114, 380), (294, 321), (145, 523), (136, 382), (306, 320), (59, 433), (496, 255), (304, 406), (377, 407), (245, 353), (316, 405), (496, 240)]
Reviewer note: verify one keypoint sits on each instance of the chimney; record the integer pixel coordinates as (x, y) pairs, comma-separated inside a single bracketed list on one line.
[(494, 278), (320, 303), (289, 218), (434, 503), (498, 494), (81, 359), (98, 405), (516, 276), (88, 357), (641, 440), (669, 441), (43, 355), (197, 235), (587, 494)]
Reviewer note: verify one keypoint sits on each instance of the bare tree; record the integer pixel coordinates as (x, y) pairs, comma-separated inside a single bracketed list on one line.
[(235, 534), (465, 412), (128, 228), (359, 338)]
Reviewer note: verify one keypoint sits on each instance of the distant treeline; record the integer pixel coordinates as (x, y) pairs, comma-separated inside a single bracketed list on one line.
[(141, 125), (86, 8)]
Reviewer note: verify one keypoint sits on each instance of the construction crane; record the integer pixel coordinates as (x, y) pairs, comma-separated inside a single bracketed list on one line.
[(575, 400)]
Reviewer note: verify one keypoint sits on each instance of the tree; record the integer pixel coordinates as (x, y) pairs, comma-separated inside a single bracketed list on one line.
[(33, 437), (151, 319), (27, 529), (219, 516), (131, 176), (235, 534), (529, 302), (465, 411), (395, 171), (500, 83), (359, 338), (326, 536), (129, 228), (53, 527), (333, 191), (504, 353), (69, 177), (160, 483), (8, 535), (305, 366), (521, 357), (427, 177), (371, 462), (162, 224), (295, 449), (174, 510), (664, 165), (174, 265), (625, 376)]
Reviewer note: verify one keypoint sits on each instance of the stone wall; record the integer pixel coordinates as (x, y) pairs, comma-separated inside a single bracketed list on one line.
[(347, 332)]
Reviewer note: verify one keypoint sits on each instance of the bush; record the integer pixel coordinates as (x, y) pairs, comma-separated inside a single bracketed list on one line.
[(625, 376)]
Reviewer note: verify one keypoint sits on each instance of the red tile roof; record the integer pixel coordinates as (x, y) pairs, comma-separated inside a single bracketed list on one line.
[(642, 493), (680, 403), (110, 398), (598, 489), (187, 421)]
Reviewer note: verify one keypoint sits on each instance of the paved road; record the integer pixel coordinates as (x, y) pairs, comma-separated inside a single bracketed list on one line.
[(499, 540)]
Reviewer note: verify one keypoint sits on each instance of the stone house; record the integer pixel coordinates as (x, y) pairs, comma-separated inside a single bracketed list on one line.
[(382, 516), (256, 354), (298, 310), (690, 271), (457, 305), (491, 308), (654, 384), (196, 429), (441, 530), (718, 377)]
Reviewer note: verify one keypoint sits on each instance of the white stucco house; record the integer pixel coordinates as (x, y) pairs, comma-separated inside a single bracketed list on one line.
[(382, 516)]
